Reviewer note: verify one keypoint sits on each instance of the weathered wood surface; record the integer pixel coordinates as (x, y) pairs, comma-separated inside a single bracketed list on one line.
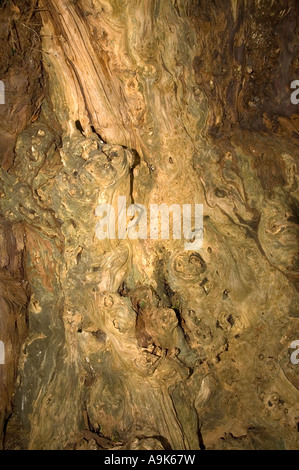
[(140, 344)]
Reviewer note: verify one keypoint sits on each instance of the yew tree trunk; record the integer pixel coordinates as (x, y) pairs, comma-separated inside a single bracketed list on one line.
[(140, 343)]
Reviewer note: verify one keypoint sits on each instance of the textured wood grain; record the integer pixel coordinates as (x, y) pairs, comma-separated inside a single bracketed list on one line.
[(140, 344)]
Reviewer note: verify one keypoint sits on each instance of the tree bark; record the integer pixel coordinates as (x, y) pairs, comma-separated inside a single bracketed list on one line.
[(139, 343)]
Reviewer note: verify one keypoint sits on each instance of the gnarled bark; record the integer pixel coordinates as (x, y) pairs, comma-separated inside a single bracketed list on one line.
[(141, 344)]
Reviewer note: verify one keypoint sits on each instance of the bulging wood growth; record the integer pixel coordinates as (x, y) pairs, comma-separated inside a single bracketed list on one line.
[(139, 343)]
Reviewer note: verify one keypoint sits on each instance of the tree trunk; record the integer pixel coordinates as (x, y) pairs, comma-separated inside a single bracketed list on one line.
[(130, 342)]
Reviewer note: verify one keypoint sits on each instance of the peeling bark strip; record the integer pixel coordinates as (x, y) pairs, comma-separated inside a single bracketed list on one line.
[(137, 343)]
